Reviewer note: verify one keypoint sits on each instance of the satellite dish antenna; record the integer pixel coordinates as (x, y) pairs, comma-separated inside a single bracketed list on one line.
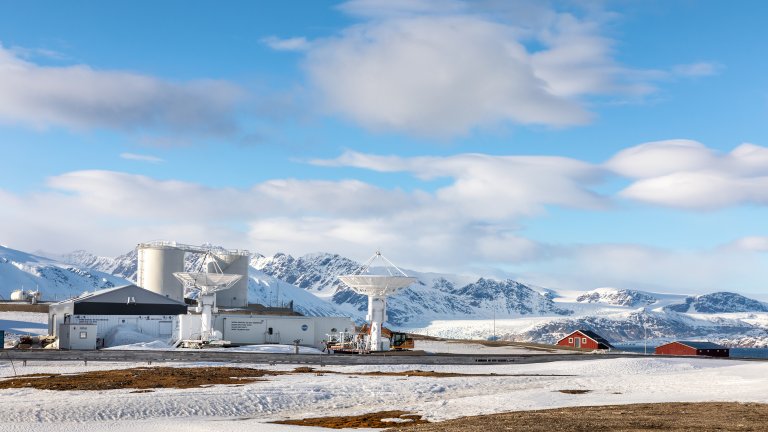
[(377, 288), (207, 284)]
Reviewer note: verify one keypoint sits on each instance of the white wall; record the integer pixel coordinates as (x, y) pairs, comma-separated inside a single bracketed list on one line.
[(158, 326), (77, 336), (242, 329), (156, 265), (252, 329)]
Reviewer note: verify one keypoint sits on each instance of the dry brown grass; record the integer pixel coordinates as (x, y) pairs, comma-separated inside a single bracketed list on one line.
[(417, 373), (677, 417), (574, 391), (371, 420), (138, 378), (169, 377)]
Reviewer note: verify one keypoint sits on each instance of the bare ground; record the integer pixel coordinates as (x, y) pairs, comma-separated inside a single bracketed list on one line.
[(145, 378), (677, 417), (380, 419), (138, 378)]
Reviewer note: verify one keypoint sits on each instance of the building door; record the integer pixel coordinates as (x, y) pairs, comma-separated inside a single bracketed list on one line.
[(164, 329), (577, 342)]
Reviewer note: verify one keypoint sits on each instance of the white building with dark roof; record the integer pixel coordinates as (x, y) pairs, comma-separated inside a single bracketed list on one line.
[(132, 307)]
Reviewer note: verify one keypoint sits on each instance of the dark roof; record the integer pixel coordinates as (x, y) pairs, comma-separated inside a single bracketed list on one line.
[(701, 345), (596, 337), (121, 294)]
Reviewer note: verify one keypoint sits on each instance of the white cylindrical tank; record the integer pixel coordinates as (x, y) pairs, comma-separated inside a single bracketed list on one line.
[(237, 296), (19, 295), (156, 266)]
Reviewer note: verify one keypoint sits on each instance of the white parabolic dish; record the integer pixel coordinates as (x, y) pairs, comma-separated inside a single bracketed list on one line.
[(377, 285), (208, 282)]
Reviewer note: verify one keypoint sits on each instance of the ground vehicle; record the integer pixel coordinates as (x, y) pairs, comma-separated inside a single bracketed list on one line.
[(344, 342), (400, 341)]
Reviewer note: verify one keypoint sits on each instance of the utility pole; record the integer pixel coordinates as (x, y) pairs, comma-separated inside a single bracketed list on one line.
[(645, 334), (494, 323)]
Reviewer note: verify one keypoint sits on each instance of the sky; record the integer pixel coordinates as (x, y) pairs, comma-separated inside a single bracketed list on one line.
[(568, 144)]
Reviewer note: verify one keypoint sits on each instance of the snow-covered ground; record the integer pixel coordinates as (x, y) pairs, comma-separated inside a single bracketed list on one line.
[(15, 324), (236, 408), (477, 328), (250, 406), (476, 348)]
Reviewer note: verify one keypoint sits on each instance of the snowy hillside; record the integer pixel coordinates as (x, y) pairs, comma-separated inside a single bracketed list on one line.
[(721, 302), (317, 273), (270, 291), (617, 297), (55, 280), (457, 306)]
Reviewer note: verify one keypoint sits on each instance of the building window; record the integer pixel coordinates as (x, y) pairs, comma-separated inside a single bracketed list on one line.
[(83, 335), (570, 340), (583, 340)]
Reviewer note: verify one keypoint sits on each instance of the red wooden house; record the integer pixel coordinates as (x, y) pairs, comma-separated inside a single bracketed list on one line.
[(693, 348), (586, 339)]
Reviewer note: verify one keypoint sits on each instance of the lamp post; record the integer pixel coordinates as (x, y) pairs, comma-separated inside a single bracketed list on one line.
[(494, 323), (645, 334)]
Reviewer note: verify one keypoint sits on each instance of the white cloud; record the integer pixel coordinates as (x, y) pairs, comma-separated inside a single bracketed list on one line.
[(696, 69), (109, 211), (658, 269), (579, 61), (289, 44), (444, 69), (420, 239), (662, 158), (435, 76), (80, 97), (489, 188), (702, 190), (141, 157), (687, 174), (393, 8), (750, 244), (28, 53)]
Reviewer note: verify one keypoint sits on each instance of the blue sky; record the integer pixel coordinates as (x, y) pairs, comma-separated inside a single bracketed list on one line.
[(568, 144)]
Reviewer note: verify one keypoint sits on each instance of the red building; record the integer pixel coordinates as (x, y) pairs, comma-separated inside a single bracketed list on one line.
[(585, 339), (691, 348)]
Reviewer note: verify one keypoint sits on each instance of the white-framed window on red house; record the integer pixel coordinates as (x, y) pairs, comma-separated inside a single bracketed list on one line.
[(583, 340), (570, 340)]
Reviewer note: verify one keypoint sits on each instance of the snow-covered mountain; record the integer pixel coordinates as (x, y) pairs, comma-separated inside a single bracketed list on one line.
[(433, 297), (124, 266), (54, 279), (617, 297), (457, 306), (719, 302)]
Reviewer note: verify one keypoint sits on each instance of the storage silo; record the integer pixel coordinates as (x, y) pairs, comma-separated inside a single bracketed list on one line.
[(234, 262), (156, 264)]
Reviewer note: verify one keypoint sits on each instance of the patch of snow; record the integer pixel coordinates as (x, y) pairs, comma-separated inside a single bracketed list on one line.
[(154, 345), (127, 335), (250, 406)]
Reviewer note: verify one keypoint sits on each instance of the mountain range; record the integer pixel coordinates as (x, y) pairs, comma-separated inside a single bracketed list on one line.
[(443, 305)]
